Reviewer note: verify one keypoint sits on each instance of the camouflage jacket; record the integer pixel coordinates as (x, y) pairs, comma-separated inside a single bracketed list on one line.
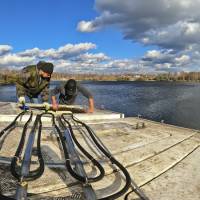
[(29, 82)]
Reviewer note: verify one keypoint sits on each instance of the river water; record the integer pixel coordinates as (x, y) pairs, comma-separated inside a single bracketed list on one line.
[(175, 103)]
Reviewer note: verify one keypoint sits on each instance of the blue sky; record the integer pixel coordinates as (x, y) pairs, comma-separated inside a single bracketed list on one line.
[(112, 36), (50, 23)]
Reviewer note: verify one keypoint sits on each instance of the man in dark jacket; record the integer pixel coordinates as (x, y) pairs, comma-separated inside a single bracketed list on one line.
[(68, 93), (33, 81)]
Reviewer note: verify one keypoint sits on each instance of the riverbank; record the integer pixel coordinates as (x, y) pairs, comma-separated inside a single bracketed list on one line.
[(6, 77), (96, 80)]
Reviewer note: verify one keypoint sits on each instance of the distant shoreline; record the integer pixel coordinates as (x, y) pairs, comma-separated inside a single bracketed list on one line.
[(6, 77), (170, 81)]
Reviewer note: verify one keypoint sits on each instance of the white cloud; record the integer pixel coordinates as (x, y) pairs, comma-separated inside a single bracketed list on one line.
[(13, 60), (92, 58), (153, 54), (68, 58), (163, 66), (71, 50), (66, 51), (30, 52), (84, 26), (171, 25), (77, 59), (168, 24), (170, 60), (4, 49), (182, 59)]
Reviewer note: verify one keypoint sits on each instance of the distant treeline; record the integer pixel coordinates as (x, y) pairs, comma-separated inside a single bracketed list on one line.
[(4, 76), (181, 76), (95, 77)]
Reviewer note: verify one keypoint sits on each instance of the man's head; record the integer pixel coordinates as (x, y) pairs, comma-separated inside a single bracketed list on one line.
[(70, 87), (45, 69)]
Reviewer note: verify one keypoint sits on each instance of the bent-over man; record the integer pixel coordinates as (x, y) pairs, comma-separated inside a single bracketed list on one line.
[(33, 81), (68, 93)]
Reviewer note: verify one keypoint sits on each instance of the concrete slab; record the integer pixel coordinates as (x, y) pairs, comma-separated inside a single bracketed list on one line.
[(162, 159)]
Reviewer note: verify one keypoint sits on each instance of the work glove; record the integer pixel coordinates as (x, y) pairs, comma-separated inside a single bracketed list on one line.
[(21, 100), (46, 105)]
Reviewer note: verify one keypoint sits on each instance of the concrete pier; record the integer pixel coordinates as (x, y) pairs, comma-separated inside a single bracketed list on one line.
[(163, 160)]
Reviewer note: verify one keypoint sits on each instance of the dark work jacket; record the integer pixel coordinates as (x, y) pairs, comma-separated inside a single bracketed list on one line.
[(29, 82)]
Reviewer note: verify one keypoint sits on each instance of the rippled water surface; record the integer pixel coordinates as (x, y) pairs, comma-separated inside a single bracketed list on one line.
[(175, 103)]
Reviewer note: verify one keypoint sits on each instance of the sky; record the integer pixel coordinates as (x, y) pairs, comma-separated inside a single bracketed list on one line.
[(101, 36)]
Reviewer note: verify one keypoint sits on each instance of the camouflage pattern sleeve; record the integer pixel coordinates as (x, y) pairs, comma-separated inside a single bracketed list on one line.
[(20, 90), (21, 78), (45, 94)]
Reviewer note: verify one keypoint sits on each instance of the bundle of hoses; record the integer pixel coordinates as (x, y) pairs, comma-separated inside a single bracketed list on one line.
[(67, 158), (110, 157), (40, 169), (38, 172), (134, 187), (11, 126), (32, 175)]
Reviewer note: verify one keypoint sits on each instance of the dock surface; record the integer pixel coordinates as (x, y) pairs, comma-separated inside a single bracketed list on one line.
[(163, 160)]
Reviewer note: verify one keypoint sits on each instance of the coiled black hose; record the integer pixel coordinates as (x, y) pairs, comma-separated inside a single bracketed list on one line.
[(19, 150), (39, 170), (12, 124), (67, 158), (66, 154), (91, 158), (5, 197), (112, 159)]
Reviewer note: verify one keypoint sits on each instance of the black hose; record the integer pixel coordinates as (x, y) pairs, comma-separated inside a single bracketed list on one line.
[(12, 124), (66, 154), (19, 150), (113, 161), (135, 188), (5, 197), (39, 171), (67, 158), (127, 195), (91, 158)]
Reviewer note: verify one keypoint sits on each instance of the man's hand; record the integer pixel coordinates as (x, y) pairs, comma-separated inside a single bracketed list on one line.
[(21, 100), (90, 110), (91, 105), (54, 103), (55, 106), (46, 105)]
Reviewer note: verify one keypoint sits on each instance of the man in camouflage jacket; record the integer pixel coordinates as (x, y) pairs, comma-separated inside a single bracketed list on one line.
[(33, 81)]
